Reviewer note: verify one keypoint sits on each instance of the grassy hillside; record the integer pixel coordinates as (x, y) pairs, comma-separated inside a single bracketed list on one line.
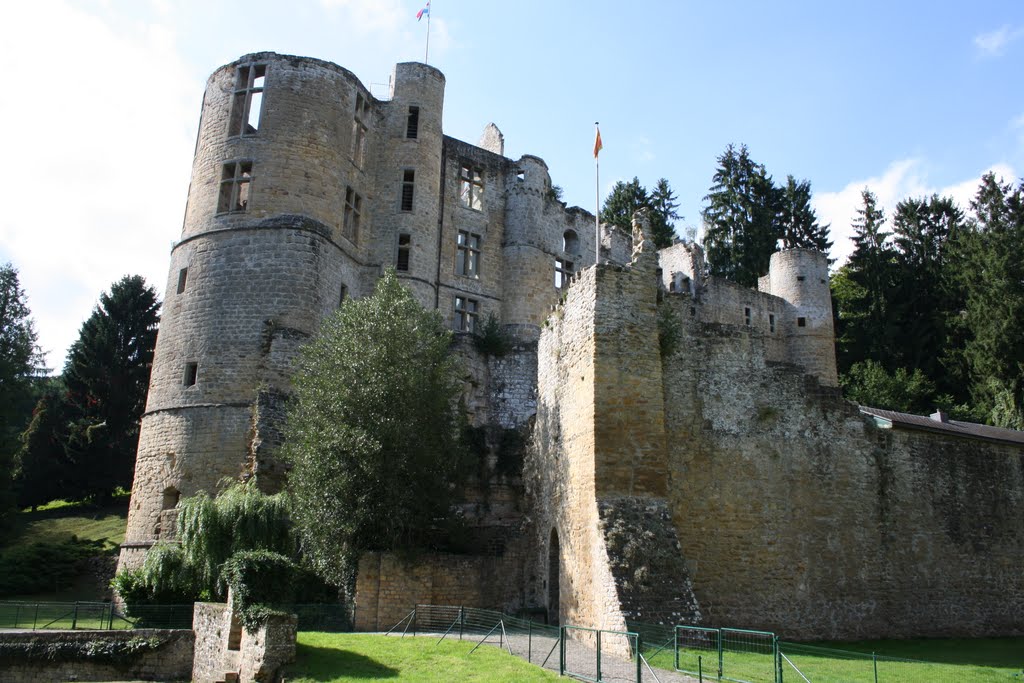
[(62, 551)]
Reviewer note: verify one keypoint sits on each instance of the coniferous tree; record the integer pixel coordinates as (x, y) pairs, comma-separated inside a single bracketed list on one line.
[(992, 276), (664, 214), (799, 222), (20, 360), (624, 200), (106, 377), (44, 467), (741, 219)]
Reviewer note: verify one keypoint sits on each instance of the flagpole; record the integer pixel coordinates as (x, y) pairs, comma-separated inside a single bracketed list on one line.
[(597, 202), (426, 51)]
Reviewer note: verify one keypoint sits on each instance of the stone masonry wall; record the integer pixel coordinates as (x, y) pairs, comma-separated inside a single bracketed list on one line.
[(223, 646), (796, 514), (47, 656)]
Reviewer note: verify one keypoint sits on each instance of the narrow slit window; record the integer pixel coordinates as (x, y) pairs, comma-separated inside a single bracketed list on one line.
[(182, 277), (467, 255), (563, 271), (404, 249), (771, 322), (801, 278), (471, 188), (408, 188), (353, 214), (746, 316), (412, 123), (342, 295), (801, 322), (359, 128), (191, 374), (466, 311), (247, 104), (234, 187)]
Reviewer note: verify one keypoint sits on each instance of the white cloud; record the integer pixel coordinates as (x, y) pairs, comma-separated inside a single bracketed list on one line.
[(993, 43), (902, 179), (96, 178)]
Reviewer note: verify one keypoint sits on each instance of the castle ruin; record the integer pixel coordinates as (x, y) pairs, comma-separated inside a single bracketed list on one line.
[(687, 453)]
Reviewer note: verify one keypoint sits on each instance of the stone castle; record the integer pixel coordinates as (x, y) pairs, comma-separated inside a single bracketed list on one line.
[(658, 445)]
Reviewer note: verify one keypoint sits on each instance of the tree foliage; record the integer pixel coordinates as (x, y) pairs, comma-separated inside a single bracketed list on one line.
[(742, 225), (91, 430), (662, 204), (798, 221), (373, 433), (20, 361)]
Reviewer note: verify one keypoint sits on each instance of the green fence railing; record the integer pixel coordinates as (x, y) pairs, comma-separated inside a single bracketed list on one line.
[(91, 616)]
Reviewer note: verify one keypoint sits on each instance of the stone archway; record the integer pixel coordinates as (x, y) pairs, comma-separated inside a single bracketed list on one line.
[(554, 574)]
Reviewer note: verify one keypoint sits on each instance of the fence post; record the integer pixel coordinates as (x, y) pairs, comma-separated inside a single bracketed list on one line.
[(529, 641), (719, 653), (462, 620), (639, 661), (778, 659), (874, 664), (414, 610), (700, 668), (35, 618), (561, 651), (598, 656), (74, 617)]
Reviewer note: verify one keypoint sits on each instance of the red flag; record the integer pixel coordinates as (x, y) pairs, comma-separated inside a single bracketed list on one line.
[(597, 143)]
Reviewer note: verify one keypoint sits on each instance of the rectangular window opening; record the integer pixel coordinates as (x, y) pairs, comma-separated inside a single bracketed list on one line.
[(466, 311), (191, 374), (182, 277), (404, 247), (801, 278), (353, 214), (408, 188), (471, 188), (342, 295), (467, 255), (234, 187), (563, 271), (412, 123), (771, 322), (801, 322), (247, 104), (359, 130), (746, 316)]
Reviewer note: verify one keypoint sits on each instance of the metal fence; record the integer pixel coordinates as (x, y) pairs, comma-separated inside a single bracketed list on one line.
[(91, 616)]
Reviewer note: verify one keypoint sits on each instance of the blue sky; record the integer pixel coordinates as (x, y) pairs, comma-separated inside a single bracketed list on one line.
[(101, 103)]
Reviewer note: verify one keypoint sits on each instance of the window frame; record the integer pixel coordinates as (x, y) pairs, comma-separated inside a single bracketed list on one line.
[(403, 247), (408, 188), (412, 123), (351, 220), (239, 177), (360, 131), (467, 254), (465, 316), (471, 187), (563, 272), (242, 96)]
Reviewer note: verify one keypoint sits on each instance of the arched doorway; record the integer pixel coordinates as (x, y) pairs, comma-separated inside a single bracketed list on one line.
[(554, 573)]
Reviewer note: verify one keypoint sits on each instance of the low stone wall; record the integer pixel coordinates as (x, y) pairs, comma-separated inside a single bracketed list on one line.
[(144, 654), (223, 646)]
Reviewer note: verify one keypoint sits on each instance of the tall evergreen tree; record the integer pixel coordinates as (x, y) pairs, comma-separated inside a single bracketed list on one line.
[(20, 360), (741, 219), (44, 467), (993, 279), (623, 201), (664, 214), (107, 375), (799, 223)]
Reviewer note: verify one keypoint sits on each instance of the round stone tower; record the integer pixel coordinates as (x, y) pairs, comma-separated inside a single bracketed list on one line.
[(276, 231), (800, 276)]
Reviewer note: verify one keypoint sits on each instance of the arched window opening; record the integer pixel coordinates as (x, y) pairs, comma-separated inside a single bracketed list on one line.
[(171, 498), (570, 242)]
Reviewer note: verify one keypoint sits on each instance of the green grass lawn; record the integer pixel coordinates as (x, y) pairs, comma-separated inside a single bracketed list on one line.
[(941, 660), (354, 657), (55, 525)]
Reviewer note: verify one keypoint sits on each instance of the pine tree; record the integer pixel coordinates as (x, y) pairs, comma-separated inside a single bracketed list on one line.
[(741, 219), (20, 360), (624, 200), (868, 329), (800, 226), (664, 205), (44, 466), (107, 376)]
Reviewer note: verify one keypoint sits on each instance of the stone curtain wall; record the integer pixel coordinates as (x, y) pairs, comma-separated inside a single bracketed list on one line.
[(389, 587), (797, 515), (46, 656)]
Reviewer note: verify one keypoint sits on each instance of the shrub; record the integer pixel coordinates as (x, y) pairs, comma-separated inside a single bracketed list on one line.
[(44, 566), (259, 581)]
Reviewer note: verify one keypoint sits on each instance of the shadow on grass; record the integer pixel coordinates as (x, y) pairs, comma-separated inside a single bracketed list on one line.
[(1007, 652), (327, 664)]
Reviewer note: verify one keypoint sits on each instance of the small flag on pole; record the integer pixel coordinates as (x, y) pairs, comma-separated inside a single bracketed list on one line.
[(425, 10), (597, 143)]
